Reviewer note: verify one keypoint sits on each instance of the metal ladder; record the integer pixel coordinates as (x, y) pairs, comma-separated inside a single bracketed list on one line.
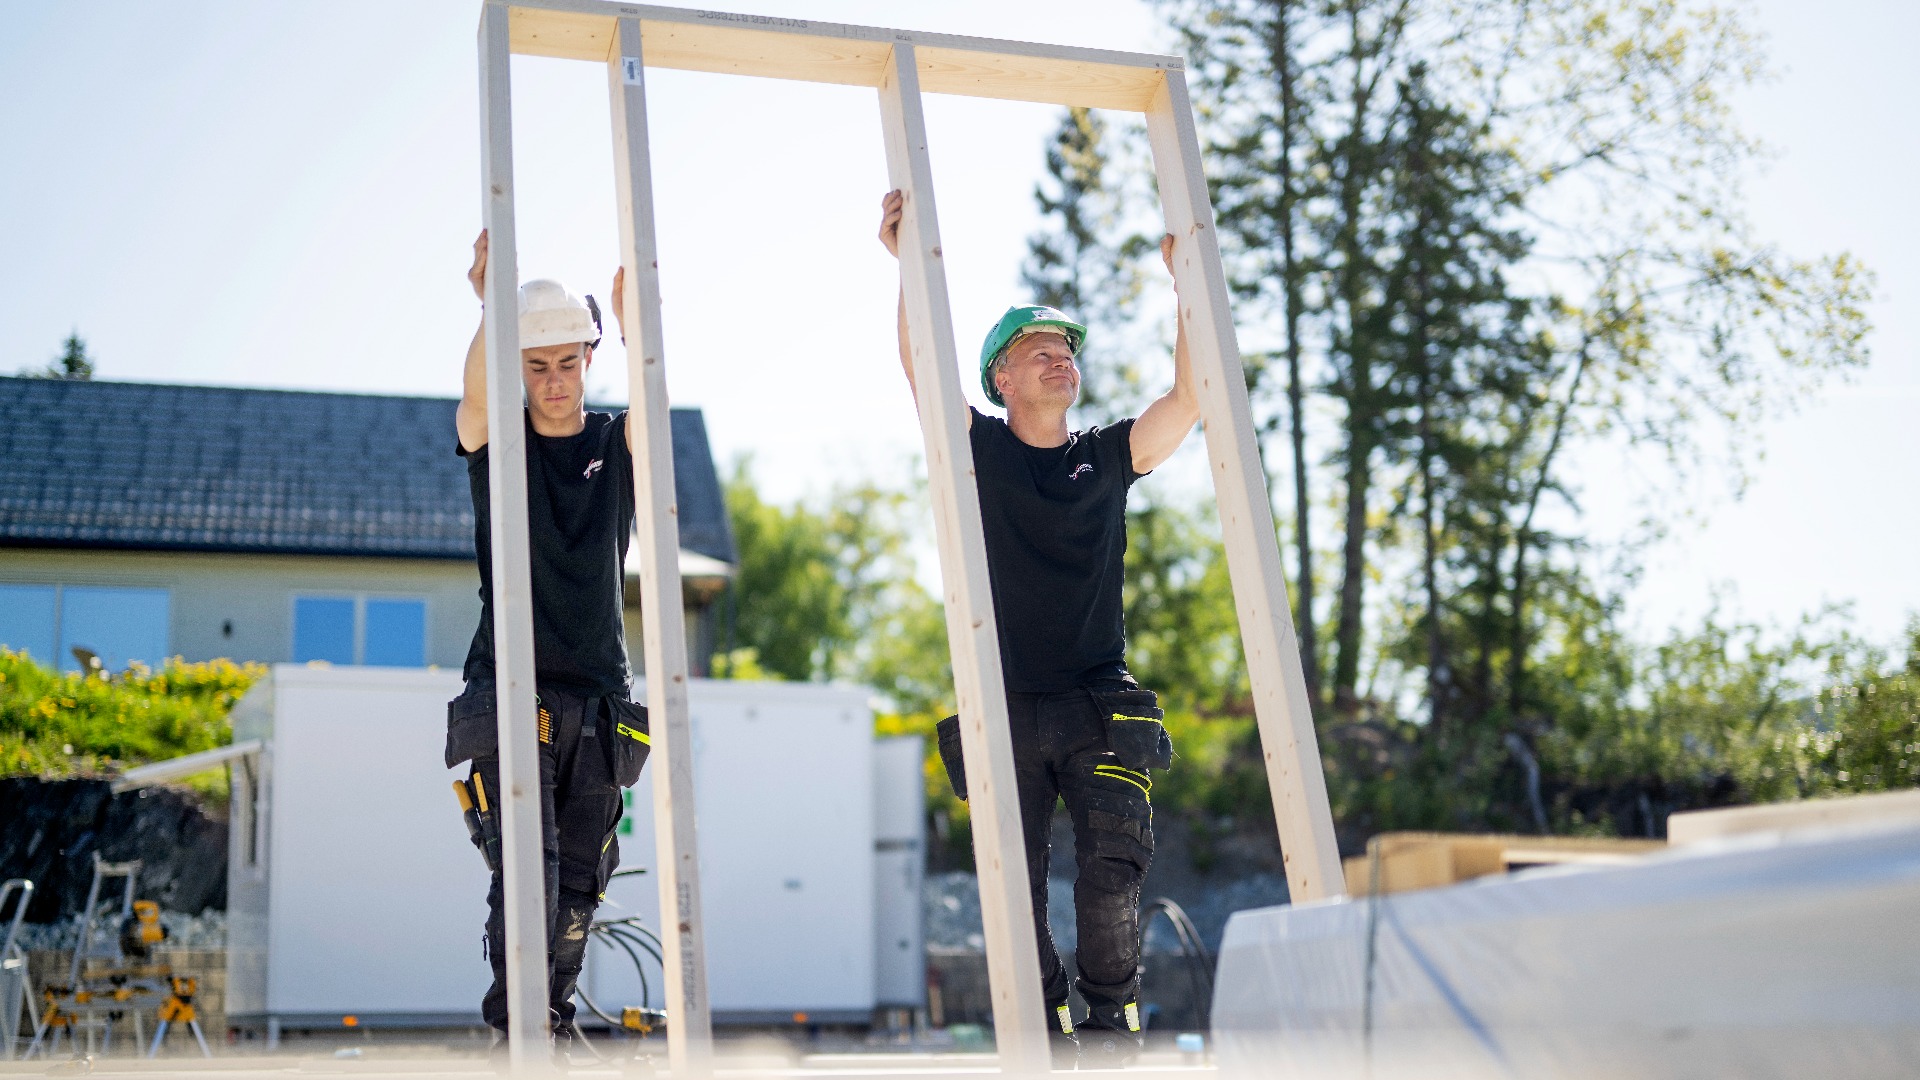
[(85, 949), (16, 987)]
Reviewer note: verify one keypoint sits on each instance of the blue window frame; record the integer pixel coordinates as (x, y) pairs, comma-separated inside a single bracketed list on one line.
[(118, 625), (372, 630), (27, 620), (323, 629), (396, 633)]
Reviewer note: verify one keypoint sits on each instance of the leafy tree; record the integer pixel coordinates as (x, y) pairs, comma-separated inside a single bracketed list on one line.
[(831, 593), (900, 629), (1724, 715), (1867, 729), (790, 603), (1183, 637)]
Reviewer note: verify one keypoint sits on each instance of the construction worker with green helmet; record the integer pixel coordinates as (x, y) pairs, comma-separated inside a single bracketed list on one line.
[(592, 739), (1053, 503), (1019, 321)]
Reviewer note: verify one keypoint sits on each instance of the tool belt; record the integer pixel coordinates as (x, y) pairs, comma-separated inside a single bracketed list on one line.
[(613, 729), (473, 731), (473, 727), (627, 737), (1135, 728)]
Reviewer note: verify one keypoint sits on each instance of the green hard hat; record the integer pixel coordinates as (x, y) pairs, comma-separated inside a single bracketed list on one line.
[(1016, 319)]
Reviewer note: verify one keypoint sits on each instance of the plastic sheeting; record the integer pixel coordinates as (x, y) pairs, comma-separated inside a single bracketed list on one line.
[(1789, 956)]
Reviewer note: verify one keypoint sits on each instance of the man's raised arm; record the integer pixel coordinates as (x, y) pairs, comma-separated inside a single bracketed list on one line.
[(620, 318), (892, 209), (1165, 423), (470, 419)]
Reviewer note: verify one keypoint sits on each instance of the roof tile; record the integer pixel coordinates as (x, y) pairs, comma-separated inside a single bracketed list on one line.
[(206, 468)]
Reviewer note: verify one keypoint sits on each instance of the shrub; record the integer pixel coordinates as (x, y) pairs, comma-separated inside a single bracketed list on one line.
[(55, 724)]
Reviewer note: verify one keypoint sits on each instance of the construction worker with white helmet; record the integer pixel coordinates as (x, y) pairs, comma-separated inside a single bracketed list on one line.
[(593, 740), (1053, 505)]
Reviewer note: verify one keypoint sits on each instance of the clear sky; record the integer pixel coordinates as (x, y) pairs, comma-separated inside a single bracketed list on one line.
[(285, 194)]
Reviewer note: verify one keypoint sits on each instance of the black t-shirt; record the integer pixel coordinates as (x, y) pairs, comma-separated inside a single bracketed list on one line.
[(579, 519), (1056, 531)]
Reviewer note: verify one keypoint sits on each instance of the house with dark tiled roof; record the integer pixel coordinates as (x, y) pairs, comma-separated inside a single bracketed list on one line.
[(142, 521)]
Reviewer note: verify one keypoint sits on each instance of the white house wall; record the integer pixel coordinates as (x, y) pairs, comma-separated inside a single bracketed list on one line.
[(209, 590), (254, 593)]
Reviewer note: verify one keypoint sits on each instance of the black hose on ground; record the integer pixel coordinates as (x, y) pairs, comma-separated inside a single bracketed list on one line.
[(632, 937), (1193, 950)]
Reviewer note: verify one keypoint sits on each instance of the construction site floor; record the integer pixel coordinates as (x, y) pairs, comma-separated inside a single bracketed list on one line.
[(431, 1062)]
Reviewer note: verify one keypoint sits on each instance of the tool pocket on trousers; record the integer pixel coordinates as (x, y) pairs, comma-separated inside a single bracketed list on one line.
[(1118, 847), (472, 730), (628, 740), (947, 734), (588, 846), (1135, 733), (609, 852)]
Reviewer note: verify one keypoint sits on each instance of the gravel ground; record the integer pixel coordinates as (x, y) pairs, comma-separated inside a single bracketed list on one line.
[(953, 909), (952, 905), (207, 930)]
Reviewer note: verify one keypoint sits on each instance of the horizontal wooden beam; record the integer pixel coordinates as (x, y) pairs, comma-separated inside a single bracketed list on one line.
[(1879, 808), (804, 51), (1404, 861)]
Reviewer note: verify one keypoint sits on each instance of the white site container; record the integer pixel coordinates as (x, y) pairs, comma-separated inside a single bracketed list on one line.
[(783, 776), (354, 892), (900, 869)]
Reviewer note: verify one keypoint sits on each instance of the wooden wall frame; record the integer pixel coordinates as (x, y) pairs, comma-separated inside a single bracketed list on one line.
[(901, 66)]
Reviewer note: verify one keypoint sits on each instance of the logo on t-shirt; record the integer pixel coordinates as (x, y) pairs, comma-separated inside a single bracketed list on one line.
[(593, 467), (1078, 469)]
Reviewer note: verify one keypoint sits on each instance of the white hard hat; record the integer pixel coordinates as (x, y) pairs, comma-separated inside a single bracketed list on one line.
[(550, 315)]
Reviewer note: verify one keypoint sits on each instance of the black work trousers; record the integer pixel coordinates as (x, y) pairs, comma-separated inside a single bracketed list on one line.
[(580, 808), (1060, 753)]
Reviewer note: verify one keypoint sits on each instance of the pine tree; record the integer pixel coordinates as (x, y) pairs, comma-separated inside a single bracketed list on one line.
[(1086, 260), (72, 363)]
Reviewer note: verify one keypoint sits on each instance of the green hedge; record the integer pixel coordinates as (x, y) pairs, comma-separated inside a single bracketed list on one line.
[(55, 724)]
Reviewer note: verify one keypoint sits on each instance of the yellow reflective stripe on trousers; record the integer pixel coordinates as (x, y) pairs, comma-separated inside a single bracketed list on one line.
[(630, 733), (1066, 1019), (1118, 773)]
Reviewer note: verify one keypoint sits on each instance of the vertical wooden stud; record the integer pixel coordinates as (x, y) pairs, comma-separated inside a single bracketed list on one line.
[(521, 862), (689, 1025), (1281, 707), (999, 850)]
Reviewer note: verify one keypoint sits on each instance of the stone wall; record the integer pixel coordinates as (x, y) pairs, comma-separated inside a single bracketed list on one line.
[(55, 827)]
